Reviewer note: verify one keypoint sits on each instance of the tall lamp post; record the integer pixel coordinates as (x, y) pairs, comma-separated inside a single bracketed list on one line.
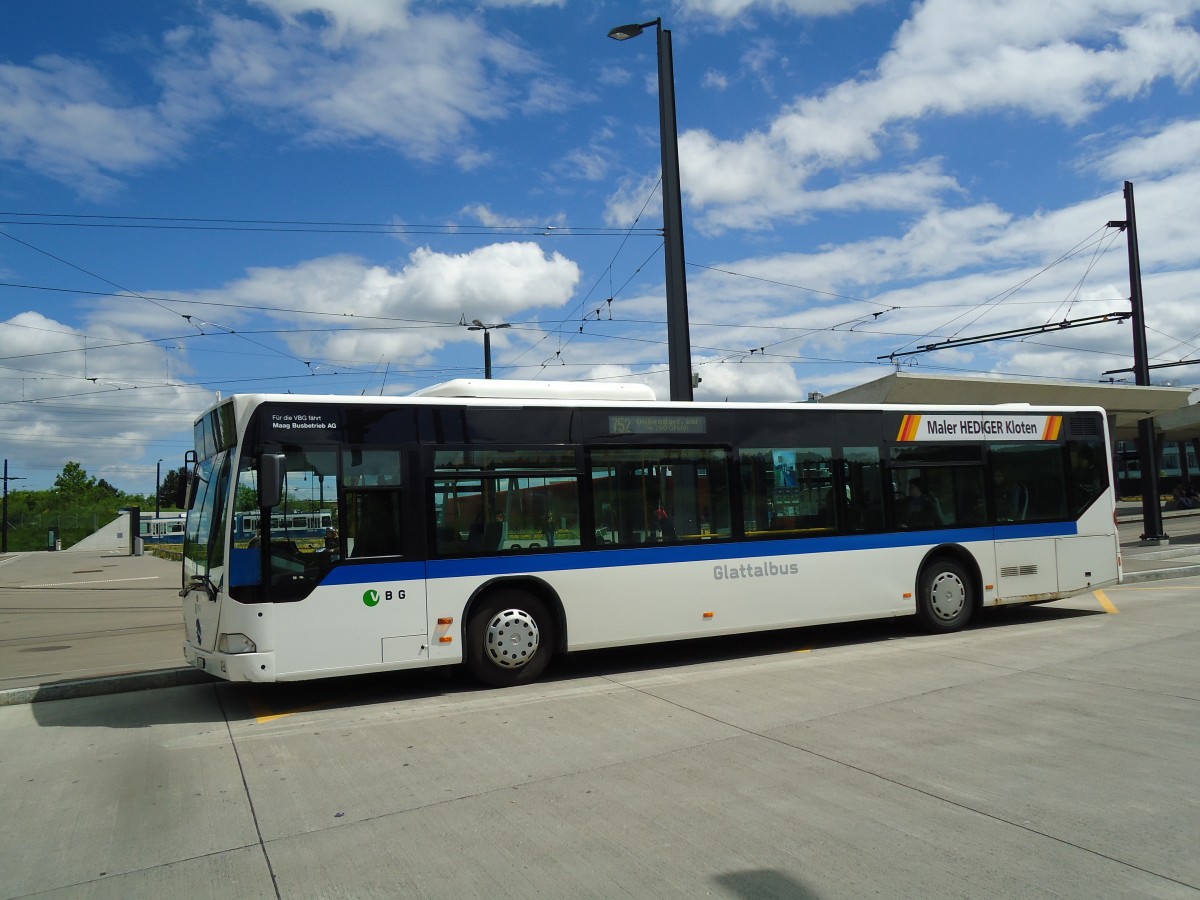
[(679, 345), (4, 514), (157, 487), (1147, 451), (476, 325)]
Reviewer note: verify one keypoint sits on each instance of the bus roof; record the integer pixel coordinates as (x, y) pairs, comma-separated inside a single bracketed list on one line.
[(505, 392), (505, 389)]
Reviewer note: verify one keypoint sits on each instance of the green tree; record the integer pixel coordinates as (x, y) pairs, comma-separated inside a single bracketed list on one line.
[(74, 483), (169, 490)]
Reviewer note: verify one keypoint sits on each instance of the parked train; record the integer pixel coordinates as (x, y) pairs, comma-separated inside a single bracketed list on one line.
[(167, 528)]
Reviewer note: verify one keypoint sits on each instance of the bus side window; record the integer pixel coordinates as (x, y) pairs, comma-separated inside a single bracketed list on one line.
[(788, 491), (939, 496), (371, 480), (505, 500), (1088, 477), (373, 523), (863, 475), (1028, 482), (660, 495)]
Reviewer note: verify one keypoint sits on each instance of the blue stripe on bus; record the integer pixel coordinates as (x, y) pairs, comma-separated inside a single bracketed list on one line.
[(373, 572), (662, 554)]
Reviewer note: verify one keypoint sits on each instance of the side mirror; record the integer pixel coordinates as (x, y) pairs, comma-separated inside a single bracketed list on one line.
[(272, 468), (186, 498), (185, 487)]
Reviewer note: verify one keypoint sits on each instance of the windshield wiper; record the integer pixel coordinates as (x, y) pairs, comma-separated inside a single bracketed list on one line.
[(200, 581)]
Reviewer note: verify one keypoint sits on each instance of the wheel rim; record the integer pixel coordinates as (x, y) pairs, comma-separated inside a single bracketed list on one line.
[(511, 638), (947, 596)]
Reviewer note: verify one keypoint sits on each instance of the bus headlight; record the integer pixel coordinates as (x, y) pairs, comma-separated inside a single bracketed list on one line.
[(235, 643)]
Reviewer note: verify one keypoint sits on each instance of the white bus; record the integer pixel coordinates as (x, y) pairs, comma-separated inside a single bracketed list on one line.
[(498, 523)]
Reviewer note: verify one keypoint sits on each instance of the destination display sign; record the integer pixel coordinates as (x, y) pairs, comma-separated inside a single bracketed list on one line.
[(296, 421), (1001, 427), (657, 424)]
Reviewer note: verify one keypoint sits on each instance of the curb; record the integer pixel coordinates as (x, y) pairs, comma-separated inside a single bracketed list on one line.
[(1132, 518), (1160, 574), (111, 684)]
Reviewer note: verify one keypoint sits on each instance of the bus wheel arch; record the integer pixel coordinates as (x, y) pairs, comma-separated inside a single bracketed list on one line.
[(948, 589), (511, 630)]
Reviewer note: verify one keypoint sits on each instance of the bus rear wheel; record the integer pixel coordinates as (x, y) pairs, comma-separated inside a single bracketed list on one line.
[(945, 596), (510, 639)]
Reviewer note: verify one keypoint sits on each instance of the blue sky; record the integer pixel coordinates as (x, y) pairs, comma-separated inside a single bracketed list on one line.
[(282, 195)]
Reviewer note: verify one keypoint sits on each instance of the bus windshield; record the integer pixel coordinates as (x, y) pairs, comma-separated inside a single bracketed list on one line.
[(294, 542), (204, 538)]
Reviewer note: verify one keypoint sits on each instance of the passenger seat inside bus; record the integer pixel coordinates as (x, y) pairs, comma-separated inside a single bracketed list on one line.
[(486, 537)]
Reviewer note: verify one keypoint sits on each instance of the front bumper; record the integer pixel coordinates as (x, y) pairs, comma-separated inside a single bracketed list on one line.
[(232, 666)]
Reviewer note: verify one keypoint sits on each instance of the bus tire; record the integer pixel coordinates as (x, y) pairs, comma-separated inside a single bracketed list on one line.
[(945, 596), (510, 639)]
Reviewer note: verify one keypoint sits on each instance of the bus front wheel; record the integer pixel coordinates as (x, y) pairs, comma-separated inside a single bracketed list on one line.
[(510, 639), (945, 596)]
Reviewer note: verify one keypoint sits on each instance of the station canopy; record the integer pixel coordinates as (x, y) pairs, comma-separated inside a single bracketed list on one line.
[(1174, 418)]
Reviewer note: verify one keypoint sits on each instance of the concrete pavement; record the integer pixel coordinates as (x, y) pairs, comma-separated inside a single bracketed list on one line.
[(1049, 752), (88, 622), (1178, 557)]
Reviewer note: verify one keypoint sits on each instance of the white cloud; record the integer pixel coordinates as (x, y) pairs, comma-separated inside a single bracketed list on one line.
[(422, 101), (590, 164), (516, 4), (418, 305), (965, 272), (731, 9), (345, 17), (100, 395), (485, 215), (715, 80), (749, 380), (1171, 149), (613, 76), (546, 95), (328, 73), (951, 58), (66, 120)]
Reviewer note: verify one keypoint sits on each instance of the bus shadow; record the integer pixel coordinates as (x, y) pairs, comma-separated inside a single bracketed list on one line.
[(215, 702), (725, 648), (263, 703)]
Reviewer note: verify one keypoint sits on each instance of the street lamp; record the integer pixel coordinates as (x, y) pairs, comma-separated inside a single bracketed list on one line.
[(4, 513), (157, 488), (679, 344), (1147, 452), (476, 325)]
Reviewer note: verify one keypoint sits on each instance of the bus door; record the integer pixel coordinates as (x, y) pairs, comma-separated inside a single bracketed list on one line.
[(384, 564), (1026, 485)]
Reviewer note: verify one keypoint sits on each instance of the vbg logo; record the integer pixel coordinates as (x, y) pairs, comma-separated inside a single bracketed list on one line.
[(371, 597)]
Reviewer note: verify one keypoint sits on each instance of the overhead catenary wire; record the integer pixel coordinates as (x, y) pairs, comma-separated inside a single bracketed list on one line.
[(300, 226), (132, 293), (983, 307), (607, 273), (560, 328)]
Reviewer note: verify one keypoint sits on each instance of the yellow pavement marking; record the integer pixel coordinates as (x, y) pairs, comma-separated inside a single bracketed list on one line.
[(273, 716), (1109, 606), (263, 713)]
